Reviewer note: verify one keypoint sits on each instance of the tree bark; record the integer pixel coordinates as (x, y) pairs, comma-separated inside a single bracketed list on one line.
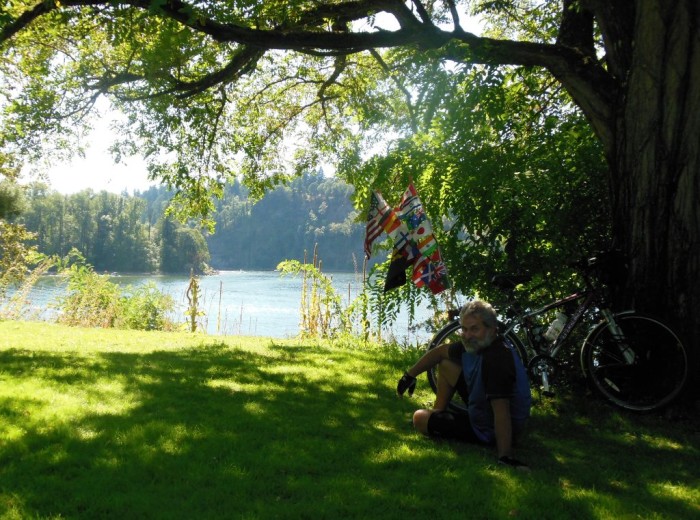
[(655, 186)]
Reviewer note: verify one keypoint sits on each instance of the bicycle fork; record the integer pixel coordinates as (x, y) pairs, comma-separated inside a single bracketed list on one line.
[(542, 366), (619, 337)]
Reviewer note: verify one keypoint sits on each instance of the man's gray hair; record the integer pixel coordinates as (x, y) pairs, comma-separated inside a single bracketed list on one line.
[(482, 309)]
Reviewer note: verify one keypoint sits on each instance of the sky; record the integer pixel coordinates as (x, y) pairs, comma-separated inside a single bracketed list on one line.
[(97, 170)]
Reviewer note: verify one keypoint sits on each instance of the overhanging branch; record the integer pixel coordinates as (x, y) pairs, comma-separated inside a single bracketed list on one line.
[(591, 86)]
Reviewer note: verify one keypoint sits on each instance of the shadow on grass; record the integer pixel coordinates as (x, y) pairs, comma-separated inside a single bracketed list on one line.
[(623, 464), (288, 432)]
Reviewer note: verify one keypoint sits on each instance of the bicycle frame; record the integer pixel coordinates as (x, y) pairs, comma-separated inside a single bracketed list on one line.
[(589, 297), (542, 365)]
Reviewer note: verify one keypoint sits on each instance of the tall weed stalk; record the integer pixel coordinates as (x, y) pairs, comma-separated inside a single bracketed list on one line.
[(193, 295), (321, 313), (13, 307)]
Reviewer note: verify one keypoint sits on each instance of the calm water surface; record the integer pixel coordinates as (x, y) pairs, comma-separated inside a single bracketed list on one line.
[(256, 303)]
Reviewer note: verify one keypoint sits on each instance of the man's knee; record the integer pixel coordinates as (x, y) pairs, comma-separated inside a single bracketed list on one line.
[(420, 420)]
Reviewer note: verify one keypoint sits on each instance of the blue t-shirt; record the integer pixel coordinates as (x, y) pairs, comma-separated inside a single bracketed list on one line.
[(492, 373)]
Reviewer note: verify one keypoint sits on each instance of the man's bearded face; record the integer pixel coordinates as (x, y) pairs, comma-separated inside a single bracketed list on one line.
[(475, 335)]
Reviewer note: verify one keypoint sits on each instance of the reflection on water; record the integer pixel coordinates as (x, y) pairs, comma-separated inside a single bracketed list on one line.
[(257, 303)]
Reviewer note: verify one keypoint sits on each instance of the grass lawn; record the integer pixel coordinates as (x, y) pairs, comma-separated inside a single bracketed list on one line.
[(116, 424)]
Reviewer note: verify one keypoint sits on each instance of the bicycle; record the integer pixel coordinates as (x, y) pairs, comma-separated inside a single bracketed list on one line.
[(633, 360)]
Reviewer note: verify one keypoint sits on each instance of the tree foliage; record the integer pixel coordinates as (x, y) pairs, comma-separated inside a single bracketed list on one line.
[(288, 221), (524, 192), (187, 73), (182, 248), (17, 254), (111, 231)]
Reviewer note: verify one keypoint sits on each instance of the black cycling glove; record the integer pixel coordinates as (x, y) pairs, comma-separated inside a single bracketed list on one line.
[(406, 383)]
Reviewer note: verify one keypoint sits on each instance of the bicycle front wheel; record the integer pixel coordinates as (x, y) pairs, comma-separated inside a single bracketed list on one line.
[(641, 371), (449, 333)]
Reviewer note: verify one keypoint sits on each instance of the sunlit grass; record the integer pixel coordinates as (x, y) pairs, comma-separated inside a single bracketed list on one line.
[(105, 423)]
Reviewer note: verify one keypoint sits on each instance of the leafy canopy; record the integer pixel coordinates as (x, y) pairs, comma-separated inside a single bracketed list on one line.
[(210, 90), (385, 91)]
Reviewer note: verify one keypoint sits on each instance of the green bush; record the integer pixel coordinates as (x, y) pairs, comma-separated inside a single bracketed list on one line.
[(94, 301), (145, 308)]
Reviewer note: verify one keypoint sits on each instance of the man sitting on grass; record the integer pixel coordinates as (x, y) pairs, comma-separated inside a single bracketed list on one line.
[(490, 378)]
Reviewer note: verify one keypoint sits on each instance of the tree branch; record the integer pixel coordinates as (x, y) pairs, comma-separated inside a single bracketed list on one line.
[(455, 15), (422, 12), (570, 61), (243, 62), (588, 83), (615, 18), (12, 28), (340, 64)]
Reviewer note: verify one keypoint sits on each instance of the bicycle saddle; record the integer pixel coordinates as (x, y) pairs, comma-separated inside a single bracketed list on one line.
[(508, 282)]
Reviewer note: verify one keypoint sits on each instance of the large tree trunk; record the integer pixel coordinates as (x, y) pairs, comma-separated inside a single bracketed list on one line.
[(655, 165)]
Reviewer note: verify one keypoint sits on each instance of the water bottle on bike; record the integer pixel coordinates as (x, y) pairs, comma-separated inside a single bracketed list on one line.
[(556, 327)]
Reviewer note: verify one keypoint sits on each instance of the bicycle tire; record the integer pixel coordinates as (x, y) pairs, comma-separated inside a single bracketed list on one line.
[(449, 334), (653, 380)]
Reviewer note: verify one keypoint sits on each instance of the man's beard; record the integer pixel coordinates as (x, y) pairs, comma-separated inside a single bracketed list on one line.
[(476, 345)]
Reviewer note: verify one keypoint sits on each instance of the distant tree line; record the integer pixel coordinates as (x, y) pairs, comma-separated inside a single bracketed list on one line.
[(113, 232), (131, 233), (288, 221)]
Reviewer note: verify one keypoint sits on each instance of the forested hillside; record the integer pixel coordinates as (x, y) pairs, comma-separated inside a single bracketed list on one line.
[(130, 233), (113, 232), (286, 222)]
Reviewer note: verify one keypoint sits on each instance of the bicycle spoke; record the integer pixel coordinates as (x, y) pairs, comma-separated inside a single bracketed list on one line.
[(657, 373)]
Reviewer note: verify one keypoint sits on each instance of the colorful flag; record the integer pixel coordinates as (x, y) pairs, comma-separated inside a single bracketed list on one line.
[(424, 253), (414, 243), (380, 218)]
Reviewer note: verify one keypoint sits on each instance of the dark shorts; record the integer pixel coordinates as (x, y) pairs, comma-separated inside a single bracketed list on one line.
[(453, 424)]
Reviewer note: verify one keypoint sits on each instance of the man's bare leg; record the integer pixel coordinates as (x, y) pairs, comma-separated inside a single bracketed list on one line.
[(448, 372)]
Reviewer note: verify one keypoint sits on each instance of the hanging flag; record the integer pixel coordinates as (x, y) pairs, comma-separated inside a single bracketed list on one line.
[(402, 253), (423, 253), (381, 217), (414, 244), (396, 275)]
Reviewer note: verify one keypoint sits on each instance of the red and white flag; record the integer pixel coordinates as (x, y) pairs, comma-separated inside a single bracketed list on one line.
[(381, 217)]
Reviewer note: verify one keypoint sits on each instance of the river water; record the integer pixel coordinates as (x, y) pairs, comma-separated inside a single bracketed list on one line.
[(250, 303)]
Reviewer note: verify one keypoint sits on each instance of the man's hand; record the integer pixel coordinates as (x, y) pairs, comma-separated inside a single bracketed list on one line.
[(406, 383), (513, 463)]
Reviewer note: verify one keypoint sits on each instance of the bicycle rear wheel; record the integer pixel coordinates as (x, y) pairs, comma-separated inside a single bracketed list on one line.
[(449, 333), (652, 380)]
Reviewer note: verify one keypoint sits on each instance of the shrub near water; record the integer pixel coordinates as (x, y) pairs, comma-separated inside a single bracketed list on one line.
[(145, 308), (94, 301)]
